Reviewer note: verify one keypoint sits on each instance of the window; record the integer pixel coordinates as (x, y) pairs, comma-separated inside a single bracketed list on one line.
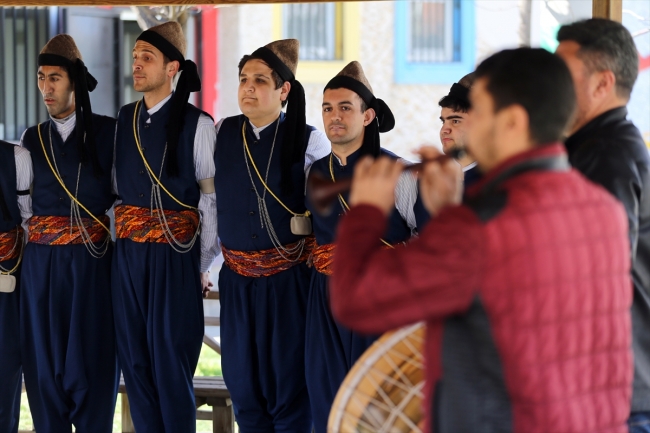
[(431, 36), (24, 31), (317, 27), (434, 40), (328, 35)]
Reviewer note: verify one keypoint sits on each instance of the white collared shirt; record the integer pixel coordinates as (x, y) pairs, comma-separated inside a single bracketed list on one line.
[(65, 126), (469, 166)]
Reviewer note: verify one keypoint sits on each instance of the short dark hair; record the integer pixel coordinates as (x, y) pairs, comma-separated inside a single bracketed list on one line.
[(605, 45), (538, 81), (276, 77), (456, 104)]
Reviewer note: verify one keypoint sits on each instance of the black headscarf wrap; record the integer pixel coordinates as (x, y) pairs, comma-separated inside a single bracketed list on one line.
[(84, 83), (293, 144), (188, 82), (384, 120)]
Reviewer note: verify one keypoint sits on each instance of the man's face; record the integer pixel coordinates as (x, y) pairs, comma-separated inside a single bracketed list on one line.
[(453, 133), (57, 90), (583, 81), (343, 119), (149, 69), (482, 136), (257, 95)]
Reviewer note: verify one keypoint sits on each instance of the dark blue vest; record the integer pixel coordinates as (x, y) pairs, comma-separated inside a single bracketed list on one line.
[(133, 184), (237, 210), (325, 226), (48, 197), (8, 188)]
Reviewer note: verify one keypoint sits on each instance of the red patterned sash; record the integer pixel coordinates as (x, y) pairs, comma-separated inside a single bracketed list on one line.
[(56, 230), (143, 225), (322, 258), (266, 262), (8, 243)]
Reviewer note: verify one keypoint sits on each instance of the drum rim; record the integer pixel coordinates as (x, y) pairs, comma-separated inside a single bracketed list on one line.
[(366, 360)]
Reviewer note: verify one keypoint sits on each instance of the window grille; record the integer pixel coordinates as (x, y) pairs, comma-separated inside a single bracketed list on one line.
[(318, 28), (432, 34)]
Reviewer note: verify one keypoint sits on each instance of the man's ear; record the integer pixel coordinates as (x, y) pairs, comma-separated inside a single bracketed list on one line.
[(172, 68), (368, 116), (605, 83), (284, 91), (513, 120)]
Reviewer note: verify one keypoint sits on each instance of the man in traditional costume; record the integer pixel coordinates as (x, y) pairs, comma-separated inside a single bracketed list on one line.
[(353, 118), (163, 173), (454, 108), (15, 210), (68, 337), (261, 158), (454, 115)]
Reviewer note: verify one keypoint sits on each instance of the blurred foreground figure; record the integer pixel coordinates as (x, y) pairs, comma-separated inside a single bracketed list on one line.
[(609, 150), (529, 274)]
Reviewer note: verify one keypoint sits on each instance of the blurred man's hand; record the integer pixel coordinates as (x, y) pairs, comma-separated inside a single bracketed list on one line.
[(374, 183), (441, 182), (206, 284)]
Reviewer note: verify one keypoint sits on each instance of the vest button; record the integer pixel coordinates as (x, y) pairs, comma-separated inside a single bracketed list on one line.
[(252, 189), (254, 236), (255, 142), (140, 195), (141, 171), (62, 153), (146, 125), (60, 198), (251, 213), (144, 148)]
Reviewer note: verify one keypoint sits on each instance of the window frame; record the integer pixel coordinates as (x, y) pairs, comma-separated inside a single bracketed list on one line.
[(321, 71), (435, 72)]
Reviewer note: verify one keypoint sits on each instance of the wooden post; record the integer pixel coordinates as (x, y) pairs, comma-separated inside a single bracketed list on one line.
[(127, 421), (223, 420), (612, 9)]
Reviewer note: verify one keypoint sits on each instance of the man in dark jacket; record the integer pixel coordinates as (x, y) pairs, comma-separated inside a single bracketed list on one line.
[(529, 275), (609, 150)]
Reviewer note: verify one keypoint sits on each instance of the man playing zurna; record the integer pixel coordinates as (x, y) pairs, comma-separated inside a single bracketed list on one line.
[(353, 119), (261, 157), (15, 208), (163, 172), (68, 337)]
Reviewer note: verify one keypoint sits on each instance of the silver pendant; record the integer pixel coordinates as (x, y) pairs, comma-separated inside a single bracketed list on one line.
[(7, 283), (301, 225)]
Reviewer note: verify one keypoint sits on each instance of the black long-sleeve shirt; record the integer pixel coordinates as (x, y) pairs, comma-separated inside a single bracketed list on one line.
[(610, 151)]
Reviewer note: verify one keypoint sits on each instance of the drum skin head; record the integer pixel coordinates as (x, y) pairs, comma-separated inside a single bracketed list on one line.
[(384, 391)]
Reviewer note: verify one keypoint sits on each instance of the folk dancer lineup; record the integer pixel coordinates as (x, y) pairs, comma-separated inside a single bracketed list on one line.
[(527, 255)]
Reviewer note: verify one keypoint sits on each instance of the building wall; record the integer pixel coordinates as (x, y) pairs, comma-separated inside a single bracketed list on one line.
[(415, 106)]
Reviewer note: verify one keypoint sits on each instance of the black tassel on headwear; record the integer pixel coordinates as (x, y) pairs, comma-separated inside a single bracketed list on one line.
[(293, 144), (84, 83), (188, 82), (384, 120)]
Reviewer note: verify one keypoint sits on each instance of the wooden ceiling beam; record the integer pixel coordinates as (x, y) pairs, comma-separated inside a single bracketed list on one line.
[(146, 2), (612, 9)]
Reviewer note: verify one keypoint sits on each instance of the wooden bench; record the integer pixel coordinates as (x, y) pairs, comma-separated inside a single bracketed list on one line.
[(210, 391)]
